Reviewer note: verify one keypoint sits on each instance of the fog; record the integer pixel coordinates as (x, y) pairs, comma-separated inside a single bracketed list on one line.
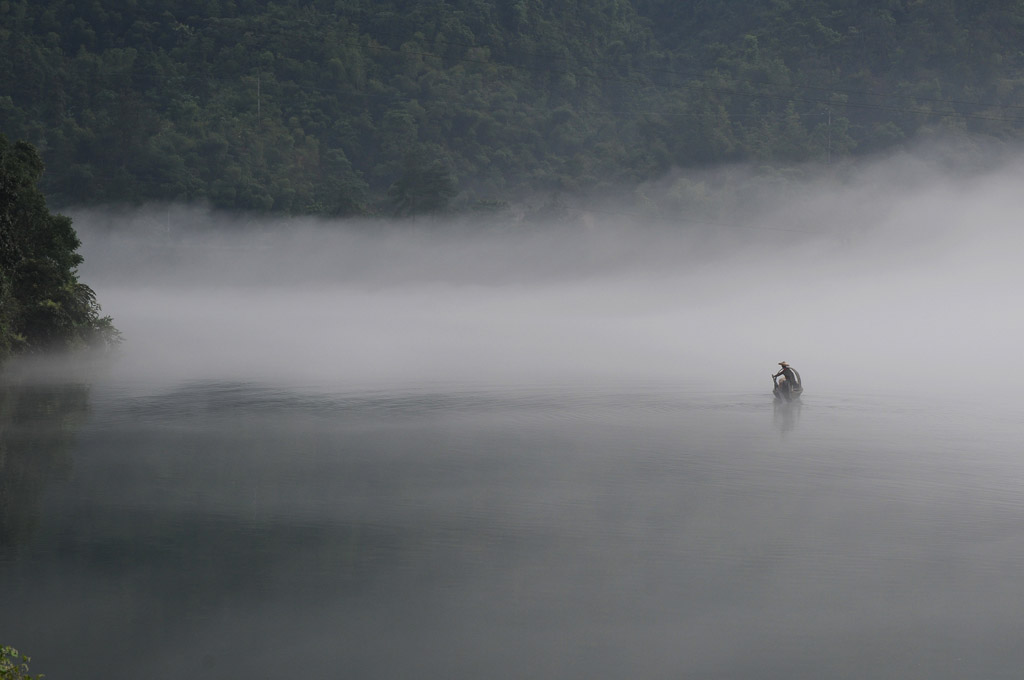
[(564, 532), (900, 275)]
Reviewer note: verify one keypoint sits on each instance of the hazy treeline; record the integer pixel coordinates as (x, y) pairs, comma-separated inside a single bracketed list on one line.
[(343, 107)]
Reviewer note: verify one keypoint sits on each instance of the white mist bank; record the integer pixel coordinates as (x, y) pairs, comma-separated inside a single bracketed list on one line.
[(899, 277)]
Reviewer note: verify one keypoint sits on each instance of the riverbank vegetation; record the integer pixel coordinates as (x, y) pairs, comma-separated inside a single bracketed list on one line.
[(343, 107), (43, 305), (14, 666)]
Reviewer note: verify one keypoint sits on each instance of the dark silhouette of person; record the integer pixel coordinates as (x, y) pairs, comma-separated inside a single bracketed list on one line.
[(788, 373)]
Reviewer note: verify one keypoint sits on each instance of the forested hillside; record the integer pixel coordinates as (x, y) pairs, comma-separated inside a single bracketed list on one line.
[(344, 107)]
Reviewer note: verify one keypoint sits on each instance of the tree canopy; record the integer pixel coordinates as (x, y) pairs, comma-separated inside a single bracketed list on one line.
[(43, 305), (344, 107)]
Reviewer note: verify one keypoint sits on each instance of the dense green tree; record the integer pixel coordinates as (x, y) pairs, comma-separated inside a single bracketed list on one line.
[(425, 185), (43, 305)]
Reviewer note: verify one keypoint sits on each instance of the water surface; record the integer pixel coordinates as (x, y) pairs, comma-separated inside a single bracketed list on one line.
[(216, 529)]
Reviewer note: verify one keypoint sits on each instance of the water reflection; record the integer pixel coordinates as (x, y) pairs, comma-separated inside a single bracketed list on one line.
[(37, 427), (787, 415)]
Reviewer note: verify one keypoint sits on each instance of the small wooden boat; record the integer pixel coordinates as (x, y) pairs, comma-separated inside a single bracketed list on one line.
[(788, 390)]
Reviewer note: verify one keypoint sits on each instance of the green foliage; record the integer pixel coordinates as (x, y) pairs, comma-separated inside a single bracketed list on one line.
[(14, 666), (425, 185), (295, 106), (43, 305)]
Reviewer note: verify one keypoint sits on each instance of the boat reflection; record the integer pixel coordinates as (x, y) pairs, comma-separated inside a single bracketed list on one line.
[(786, 415)]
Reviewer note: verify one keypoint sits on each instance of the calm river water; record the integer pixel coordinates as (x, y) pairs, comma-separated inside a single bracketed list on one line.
[(223, 529)]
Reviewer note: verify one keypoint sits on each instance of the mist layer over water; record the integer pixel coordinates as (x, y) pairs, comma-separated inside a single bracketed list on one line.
[(901, 277), (491, 448)]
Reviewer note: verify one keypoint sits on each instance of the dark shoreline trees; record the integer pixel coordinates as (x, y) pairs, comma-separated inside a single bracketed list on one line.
[(43, 305)]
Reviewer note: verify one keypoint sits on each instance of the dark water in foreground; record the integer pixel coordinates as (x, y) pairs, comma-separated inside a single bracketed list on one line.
[(230, 530)]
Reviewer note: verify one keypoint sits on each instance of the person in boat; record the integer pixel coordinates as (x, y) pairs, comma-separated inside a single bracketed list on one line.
[(787, 373)]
